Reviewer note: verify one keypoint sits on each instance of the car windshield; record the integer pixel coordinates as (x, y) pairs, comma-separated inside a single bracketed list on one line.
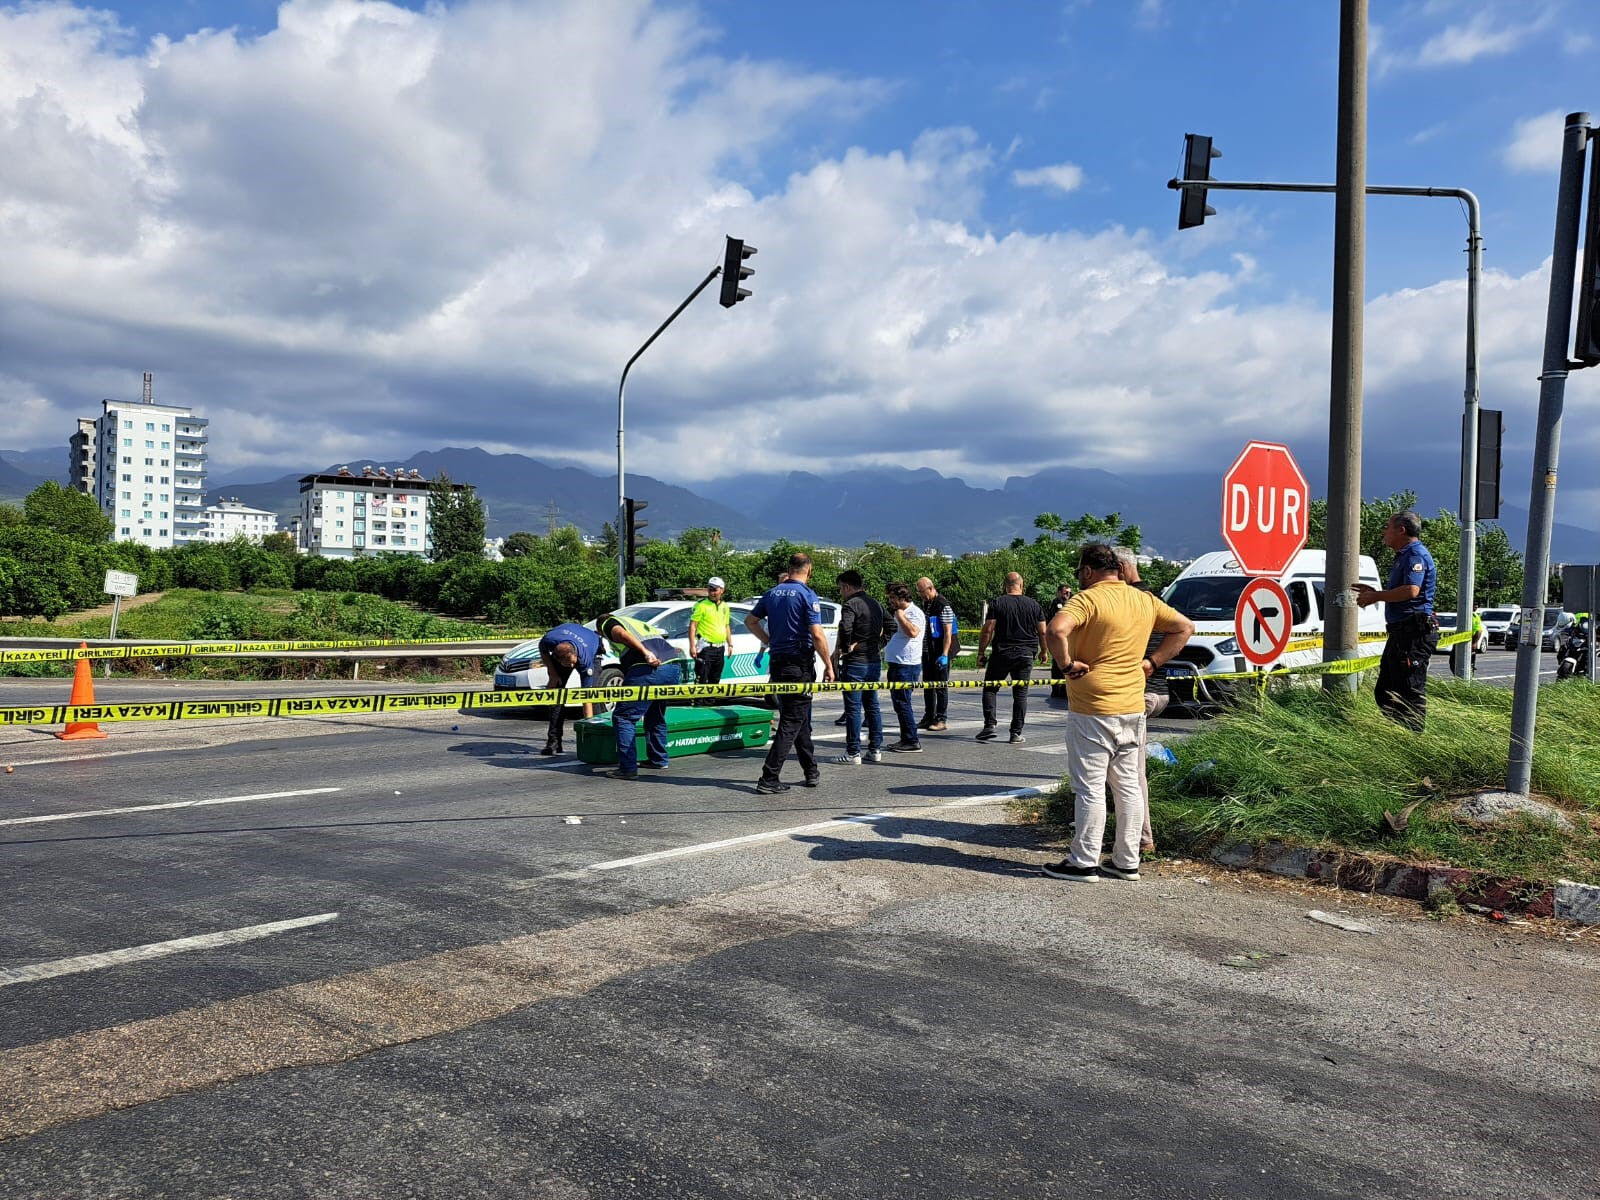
[(1498, 614), (1551, 619), (1207, 597), (642, 612)]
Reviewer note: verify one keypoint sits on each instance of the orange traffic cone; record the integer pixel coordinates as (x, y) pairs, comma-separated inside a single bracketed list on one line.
[(82, 693)]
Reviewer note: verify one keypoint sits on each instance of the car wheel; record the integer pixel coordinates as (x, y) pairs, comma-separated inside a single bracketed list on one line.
[(609, 677)]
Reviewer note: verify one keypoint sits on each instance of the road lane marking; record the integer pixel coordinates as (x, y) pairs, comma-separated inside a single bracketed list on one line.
[(139, 808), (116, 958), (775, 834)]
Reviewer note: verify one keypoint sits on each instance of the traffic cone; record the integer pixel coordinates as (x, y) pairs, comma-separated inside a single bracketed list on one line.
[(82, 693)]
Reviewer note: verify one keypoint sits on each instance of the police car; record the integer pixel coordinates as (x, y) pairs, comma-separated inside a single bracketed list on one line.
[(522, 669), (1207, 592)]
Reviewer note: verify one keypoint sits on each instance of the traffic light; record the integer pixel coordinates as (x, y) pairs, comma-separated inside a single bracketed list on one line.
[(1197, 156), (734, 272), (1489, 426), (630, 535), (1586, 342)]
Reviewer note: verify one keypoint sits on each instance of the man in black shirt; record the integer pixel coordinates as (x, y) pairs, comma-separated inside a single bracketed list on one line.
[(858, 650), (1015, 627)]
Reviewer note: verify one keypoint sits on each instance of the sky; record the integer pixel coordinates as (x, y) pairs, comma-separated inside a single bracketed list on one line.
[(347, 230)]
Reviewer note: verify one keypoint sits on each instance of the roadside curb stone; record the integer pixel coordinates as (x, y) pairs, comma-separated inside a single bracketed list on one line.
[(1567, 900)]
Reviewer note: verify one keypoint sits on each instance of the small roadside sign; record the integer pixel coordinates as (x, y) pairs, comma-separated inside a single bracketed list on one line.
[(1262, 621), (121, 583)]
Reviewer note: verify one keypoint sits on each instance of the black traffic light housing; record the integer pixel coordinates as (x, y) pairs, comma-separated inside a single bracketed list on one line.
[(1490, 422), (734, 272), (1197, 156), (630, 535), (1586, 341)]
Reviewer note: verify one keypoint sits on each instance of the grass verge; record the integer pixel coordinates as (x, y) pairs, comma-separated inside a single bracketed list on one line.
[(1315, 770)]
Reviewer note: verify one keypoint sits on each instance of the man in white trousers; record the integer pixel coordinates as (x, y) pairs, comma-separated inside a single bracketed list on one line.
[(1101, 636)]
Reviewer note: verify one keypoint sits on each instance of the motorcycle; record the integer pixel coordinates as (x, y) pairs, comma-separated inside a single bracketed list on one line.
[(1573, 659)]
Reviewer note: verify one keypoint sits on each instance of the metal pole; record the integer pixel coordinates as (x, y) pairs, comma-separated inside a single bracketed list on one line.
[(1467, 571), (1547, 452), (622, 503), (1594, 598), (116, 611), (1344, 407)]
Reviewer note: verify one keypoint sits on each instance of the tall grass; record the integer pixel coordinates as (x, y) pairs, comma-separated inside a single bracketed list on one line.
[(1320, 770)]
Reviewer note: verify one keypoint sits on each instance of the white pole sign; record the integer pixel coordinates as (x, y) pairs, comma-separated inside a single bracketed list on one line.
[(121, 583)]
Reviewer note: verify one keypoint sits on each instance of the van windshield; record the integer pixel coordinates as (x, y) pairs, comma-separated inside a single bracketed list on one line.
[(1207, 597)]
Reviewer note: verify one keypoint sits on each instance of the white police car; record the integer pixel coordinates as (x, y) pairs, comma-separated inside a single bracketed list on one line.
[(522, 669)]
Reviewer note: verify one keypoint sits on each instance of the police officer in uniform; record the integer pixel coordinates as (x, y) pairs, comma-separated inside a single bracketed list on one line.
[(1412, 627), (565, 649), (710, 633), (793, 634)]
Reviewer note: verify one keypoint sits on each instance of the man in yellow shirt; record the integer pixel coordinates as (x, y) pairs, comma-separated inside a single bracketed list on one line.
[(710, 634), (1101, 637)]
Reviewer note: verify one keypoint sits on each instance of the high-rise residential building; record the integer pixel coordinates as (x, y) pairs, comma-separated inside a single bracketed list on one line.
[(344, 515), (145, 465), (228, 519)]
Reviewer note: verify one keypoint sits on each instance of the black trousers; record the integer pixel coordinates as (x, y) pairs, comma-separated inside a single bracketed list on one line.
[(1402, 691), (708, 664), (1007, 664), (935, 700), (794, 716)]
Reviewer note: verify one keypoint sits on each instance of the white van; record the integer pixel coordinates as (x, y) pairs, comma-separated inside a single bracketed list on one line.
[(1208, 593)]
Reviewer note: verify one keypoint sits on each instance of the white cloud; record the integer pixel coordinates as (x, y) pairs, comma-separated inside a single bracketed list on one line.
[(374, 230), (1063, 177), (1535, 143), (1480, 37), (1495, 28)]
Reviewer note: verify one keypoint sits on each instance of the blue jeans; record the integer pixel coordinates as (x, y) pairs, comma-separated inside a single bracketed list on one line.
[(625, 720), (902, 699), (862, 671)]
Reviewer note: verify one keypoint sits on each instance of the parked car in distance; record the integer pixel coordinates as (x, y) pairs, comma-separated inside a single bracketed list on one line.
[(1447, 624), (1495, 623), (1554, 621)]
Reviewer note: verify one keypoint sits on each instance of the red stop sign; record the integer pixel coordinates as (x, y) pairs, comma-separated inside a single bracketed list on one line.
[(1265, 504)]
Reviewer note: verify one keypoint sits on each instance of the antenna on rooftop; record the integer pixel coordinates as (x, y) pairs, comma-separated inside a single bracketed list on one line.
[(149, 386)]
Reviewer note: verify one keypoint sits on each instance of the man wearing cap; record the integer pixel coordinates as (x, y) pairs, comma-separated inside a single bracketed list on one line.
[(710, 633)]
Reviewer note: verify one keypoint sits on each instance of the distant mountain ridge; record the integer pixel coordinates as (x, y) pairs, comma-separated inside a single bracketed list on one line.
[(905, 506)]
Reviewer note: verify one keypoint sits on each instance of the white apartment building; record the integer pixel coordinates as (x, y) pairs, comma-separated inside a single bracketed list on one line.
[(228, 519), (145, 465), (376, 512)]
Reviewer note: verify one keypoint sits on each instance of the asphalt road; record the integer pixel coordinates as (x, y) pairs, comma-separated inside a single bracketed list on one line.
[(427, 982)]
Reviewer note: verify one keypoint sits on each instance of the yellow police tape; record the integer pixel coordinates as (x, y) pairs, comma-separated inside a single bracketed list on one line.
[(485, 700), (223, 649)]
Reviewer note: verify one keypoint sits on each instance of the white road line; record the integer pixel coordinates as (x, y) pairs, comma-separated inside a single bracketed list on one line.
[(116, 958), (139, 808), (774, 834)]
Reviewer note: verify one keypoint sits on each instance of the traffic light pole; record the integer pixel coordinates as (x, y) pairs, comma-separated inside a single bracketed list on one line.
[(1547, 451), (622, 503), (1462, 655)]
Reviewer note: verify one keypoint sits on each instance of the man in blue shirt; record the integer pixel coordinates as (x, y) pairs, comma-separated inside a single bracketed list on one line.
[(565, 649), (1402, 691), (647, 660), (793, 635)]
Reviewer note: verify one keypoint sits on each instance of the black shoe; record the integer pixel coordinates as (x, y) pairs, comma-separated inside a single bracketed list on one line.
[(551, 750), (1017, 738), (925, 723), (987, 734), (811, 779), (905, 747), (1065, 870), (772, 788), (655, 766), (842, 721), (626, 776), (1131, 874)]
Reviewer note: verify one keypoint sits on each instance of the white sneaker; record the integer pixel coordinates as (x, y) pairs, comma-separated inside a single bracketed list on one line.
[(873, 755), (847, 760)]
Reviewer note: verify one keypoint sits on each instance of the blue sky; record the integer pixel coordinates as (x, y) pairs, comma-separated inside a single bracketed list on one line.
[(960, 206)]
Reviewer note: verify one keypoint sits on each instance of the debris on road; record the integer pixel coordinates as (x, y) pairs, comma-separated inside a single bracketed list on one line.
[(572, 820), (1253, 960), (1338, 922)]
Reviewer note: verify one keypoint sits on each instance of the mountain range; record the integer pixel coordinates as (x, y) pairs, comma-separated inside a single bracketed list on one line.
[(1177, 511)]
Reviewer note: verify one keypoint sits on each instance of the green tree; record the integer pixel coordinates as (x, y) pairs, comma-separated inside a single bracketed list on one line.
[(1053, 556), (456, 522), (519, 544), (10, 516), (281, 544), (67, 512)]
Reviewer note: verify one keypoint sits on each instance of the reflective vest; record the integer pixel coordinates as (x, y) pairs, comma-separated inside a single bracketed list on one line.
[(639, 629)]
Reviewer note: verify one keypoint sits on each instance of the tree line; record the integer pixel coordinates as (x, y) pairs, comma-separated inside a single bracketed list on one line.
[(55, 549)]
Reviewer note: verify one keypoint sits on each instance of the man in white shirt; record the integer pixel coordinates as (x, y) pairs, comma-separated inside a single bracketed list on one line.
[(904, 656)]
